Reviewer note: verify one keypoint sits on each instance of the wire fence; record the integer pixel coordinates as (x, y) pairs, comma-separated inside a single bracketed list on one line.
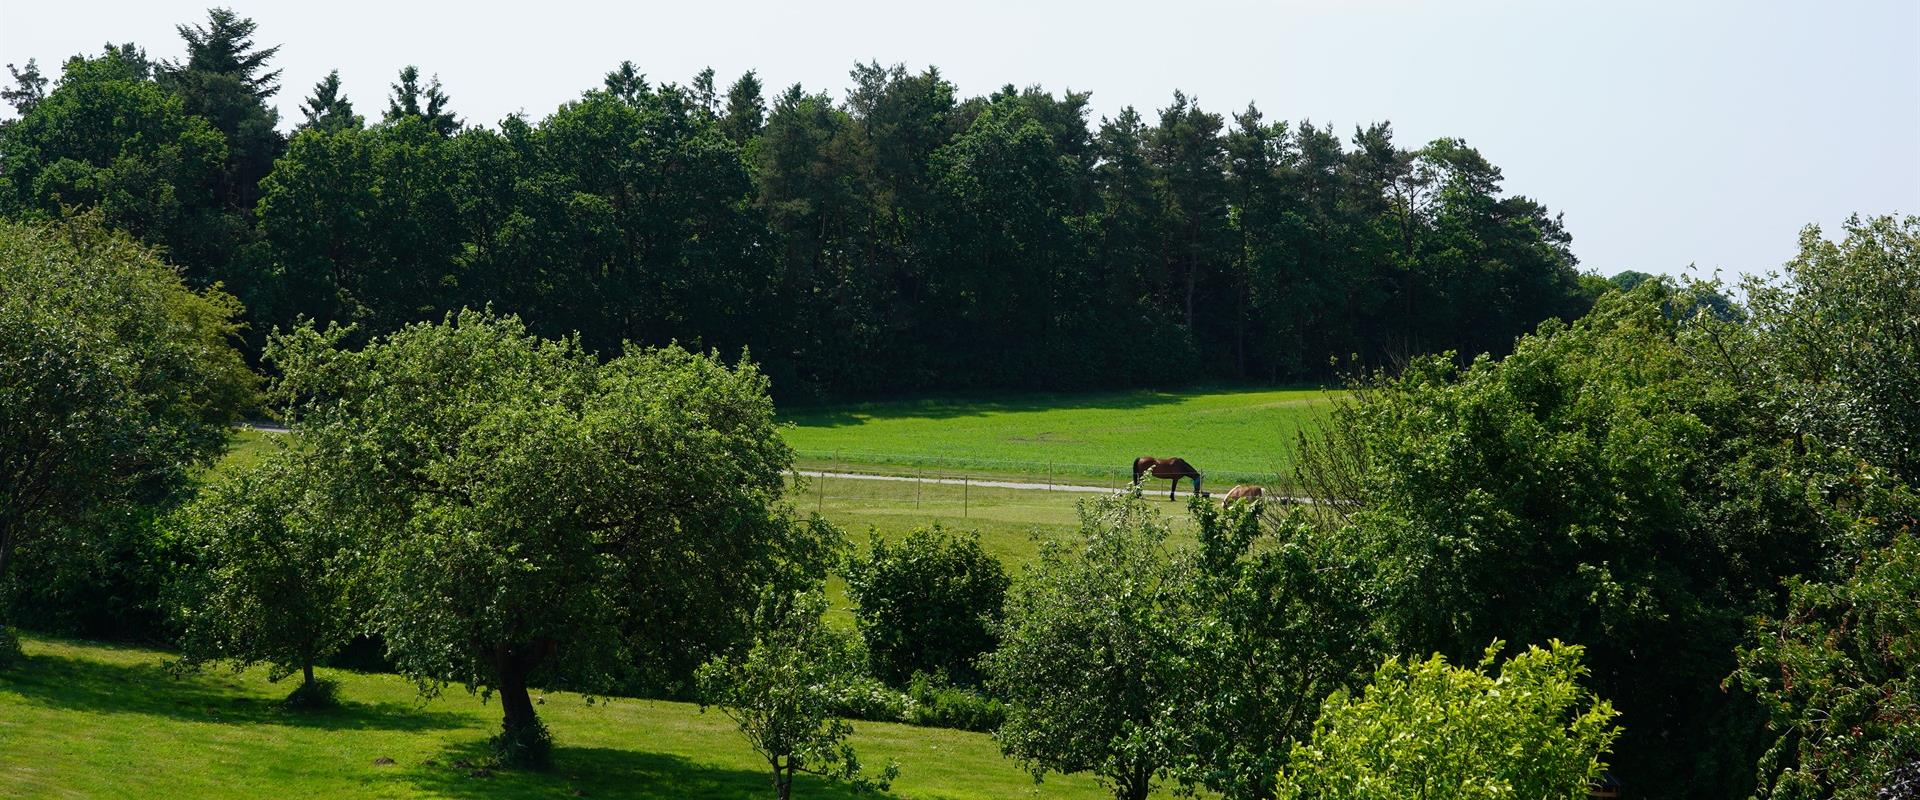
[(937, 494), (1049, 472)]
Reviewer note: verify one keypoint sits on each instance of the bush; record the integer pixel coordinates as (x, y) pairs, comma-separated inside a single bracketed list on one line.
[(1528, 730), (10, 652), (927, 604), (939, 704), (866, 698), (320, 694), (527, 745)]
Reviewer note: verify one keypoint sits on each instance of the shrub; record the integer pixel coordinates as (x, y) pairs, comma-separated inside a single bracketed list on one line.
[(317, 694), (939, 704), (867, 698), (927, 603), (524, 745), (1529, 731), (10, 652), (782, 693)]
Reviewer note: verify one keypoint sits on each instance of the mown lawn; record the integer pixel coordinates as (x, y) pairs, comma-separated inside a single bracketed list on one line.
[(1233, 435), (83, 720)]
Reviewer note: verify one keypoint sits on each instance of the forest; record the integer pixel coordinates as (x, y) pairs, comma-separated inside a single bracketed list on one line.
[(1545, 535), (904, 238)]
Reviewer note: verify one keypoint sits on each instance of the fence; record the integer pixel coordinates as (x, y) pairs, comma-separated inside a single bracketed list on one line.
[(920, 495), (1047, 472)]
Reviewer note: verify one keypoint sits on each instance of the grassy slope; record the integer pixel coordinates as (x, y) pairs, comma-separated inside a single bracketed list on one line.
[(1235, 435), (85, 720)]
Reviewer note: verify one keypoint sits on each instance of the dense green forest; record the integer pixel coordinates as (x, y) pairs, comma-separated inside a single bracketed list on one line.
[(903, 238)]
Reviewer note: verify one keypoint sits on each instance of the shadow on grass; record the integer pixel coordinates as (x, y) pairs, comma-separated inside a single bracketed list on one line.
[(605, 773), (73, 683), (962, 406)]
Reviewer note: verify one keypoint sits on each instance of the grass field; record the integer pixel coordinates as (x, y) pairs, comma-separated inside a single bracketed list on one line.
[(89, 720), (1234, 435), (84, 720)]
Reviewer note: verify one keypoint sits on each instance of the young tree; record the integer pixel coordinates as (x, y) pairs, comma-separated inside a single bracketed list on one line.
[(1430, 729), (1282, 621), (541, 515), (927, 604), (782, 691), (1088, 657), (271, 576), (116, 381)]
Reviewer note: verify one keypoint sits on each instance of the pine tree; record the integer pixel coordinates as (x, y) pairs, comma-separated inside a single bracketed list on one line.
[(428, 102), (225, 47), (29, 88), (328, 109), (746, 111)]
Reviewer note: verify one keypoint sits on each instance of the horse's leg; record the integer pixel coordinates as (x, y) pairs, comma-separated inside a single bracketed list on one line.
[(1175, 487)]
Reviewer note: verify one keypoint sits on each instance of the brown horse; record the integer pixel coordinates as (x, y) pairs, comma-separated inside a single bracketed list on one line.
[(1175, 468), (1249, 493)]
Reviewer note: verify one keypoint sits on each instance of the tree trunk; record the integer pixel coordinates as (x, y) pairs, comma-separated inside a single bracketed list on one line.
[(783, 780), (515, 704), (306, 671)]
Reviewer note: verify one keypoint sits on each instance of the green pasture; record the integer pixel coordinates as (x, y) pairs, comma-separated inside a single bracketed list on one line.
[(1243, 436), (81, 720)]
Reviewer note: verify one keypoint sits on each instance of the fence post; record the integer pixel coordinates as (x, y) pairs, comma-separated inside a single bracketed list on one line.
[(966, 495), (820, 497), (917, 481), (1049, 475)]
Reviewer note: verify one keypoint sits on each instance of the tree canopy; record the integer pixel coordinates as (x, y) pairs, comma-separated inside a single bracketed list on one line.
[(116, 380), (904, 238), (541, 517)]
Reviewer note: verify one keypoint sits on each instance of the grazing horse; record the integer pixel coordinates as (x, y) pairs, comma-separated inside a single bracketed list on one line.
[(1175, 468), (1247, 492)]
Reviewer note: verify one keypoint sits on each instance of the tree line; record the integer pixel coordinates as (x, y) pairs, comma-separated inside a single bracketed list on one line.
[(902, 238)]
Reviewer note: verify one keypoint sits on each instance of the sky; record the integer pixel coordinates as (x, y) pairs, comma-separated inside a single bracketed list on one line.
[(1669, 133)]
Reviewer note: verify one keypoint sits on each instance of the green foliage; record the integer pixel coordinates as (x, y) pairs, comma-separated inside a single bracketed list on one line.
[(109, 138), (1839, 673), (1429, 729), (116, 383), (1282, 619), (783, 690), (1604, 484), (529, 745), (314, 695), (1838, 340), (939, 703), (927, 603), (907, 238), (272, 572), (538, 516), (1088, 659), (10, 651)]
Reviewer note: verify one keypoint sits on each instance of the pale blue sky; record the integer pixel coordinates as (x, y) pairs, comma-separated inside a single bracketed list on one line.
[(1669, 133)]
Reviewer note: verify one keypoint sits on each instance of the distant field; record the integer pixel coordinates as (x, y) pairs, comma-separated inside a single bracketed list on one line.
[(82, 720), (1232, 435)]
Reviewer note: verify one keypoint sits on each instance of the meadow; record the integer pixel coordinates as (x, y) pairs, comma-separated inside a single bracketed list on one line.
[(91, 720), (1239, 435)]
